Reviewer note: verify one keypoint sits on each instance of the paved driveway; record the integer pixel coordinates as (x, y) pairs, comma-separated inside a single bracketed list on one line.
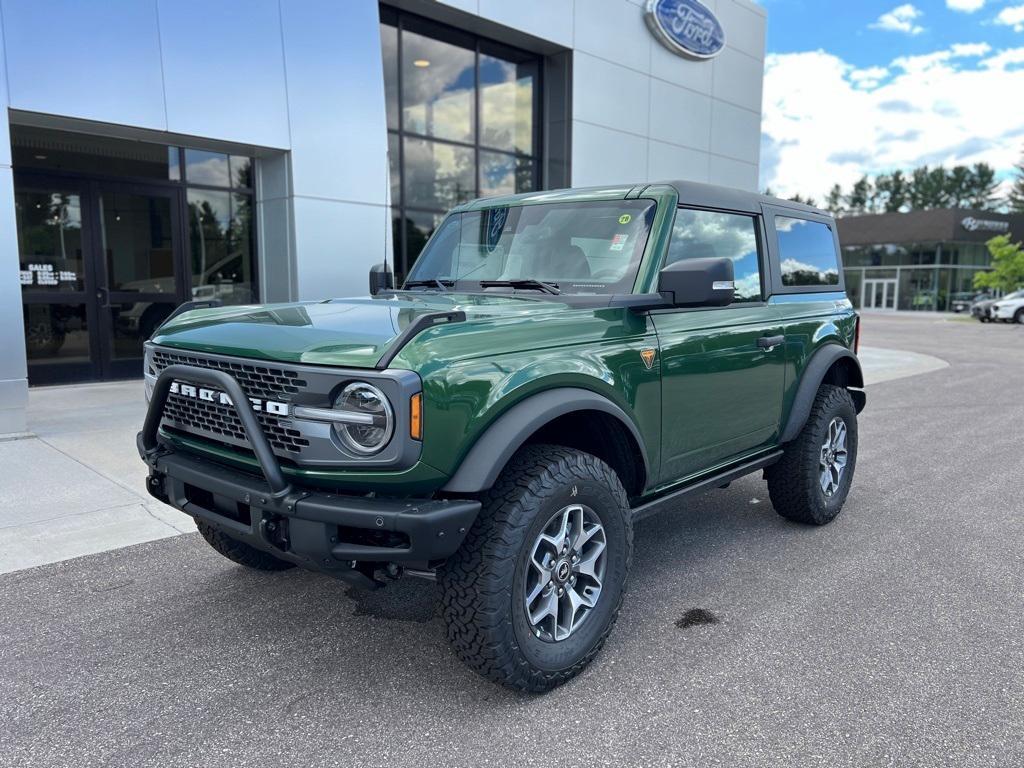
[(891, 637)]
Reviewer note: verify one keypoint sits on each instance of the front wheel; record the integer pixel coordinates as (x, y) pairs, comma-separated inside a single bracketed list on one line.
[(533, 592), (809, 484), (1018, 316)]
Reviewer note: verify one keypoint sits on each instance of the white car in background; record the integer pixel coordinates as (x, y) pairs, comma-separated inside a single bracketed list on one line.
[(1009, 308)]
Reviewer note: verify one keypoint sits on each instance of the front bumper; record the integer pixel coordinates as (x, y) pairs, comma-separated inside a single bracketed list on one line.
[(314, 529)]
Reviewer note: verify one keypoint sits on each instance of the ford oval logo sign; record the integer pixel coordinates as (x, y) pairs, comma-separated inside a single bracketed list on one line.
[(685, 27)]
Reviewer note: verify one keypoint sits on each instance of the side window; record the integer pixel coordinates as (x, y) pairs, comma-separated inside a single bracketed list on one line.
[(708, 235), (807, 252)]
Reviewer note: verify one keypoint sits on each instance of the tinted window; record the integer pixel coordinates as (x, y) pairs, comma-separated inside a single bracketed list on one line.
[(708, 235), (807, 252)]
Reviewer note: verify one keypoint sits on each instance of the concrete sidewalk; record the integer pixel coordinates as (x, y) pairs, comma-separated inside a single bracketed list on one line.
[(76, 486)]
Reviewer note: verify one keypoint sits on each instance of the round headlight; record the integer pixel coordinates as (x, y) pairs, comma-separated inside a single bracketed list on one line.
[(376, 423)]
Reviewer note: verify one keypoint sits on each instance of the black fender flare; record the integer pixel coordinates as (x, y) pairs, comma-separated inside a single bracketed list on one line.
[(814, 373), (507, 434)]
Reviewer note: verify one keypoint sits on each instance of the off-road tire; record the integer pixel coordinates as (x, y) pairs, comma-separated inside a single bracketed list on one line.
[(483, 584), (794, 481), (241, 553)]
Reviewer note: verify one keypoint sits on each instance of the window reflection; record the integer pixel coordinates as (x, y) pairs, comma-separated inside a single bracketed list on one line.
[(502, 174), (56, 333), (506, 104), (220, 231), (389, 48), (709, 235), (807, 252), (202, 167), (49, 226), (438, 175), (438, 83), (136, 236)]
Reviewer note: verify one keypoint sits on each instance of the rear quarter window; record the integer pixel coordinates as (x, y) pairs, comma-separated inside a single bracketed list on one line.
[(807, 252)]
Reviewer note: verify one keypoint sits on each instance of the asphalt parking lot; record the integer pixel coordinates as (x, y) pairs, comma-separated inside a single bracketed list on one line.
[(892, 637)]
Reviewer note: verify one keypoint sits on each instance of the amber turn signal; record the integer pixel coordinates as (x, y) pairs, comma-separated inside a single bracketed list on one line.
[(416, 416)]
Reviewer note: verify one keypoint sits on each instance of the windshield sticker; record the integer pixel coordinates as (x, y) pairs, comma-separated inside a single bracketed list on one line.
[(625, 218), (495, 226), (618, 242)]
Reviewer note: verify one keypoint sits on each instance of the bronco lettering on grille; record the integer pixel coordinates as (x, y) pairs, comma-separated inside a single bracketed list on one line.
[(221, 398)]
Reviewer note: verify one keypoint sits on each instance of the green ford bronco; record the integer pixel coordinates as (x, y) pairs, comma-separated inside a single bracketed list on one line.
[(556, 367)]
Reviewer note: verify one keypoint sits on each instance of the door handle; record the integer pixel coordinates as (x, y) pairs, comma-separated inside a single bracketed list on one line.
[(103, 297), (768, 343)]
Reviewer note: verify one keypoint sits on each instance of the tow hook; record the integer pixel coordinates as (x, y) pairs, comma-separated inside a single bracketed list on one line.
[(155, 485), (274, 530)]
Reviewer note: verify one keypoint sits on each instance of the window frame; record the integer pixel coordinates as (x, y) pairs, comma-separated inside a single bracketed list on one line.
[(775, 251), (759, 233)]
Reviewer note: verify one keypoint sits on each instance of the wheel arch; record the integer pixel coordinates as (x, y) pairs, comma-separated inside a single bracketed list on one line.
[(830, 364), (572, 417)]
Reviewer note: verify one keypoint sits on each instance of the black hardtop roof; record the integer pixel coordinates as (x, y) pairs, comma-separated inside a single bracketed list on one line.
[(690, 193)]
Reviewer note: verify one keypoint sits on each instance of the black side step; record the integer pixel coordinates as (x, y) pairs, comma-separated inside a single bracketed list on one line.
[(706, 484), (417, 326)]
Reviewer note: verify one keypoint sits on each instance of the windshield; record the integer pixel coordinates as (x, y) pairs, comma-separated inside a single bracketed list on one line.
[(585, 247)]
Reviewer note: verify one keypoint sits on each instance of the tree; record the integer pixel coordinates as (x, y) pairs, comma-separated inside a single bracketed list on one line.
[(983, 187), (1007, 266), (834, 201), (805, 200), (892, 191), (861, 196), (1016, 196)]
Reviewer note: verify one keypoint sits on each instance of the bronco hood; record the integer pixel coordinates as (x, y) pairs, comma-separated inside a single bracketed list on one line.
[(346, 332)]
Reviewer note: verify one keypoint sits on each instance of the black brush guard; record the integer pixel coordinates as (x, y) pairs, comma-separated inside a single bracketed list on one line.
[(315, 529)]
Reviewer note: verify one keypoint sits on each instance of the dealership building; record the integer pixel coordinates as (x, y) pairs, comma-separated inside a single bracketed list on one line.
[(173, 150), (922, 260)]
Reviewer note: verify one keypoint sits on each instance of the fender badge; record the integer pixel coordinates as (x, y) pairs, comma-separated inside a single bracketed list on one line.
[(647, 355)]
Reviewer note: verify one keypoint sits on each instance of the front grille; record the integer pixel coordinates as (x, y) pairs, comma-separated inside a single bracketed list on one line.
[(221, 422)]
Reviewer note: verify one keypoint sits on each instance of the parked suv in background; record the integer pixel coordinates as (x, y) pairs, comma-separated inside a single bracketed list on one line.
[(983, 309), (1010, 308), (556, 367)]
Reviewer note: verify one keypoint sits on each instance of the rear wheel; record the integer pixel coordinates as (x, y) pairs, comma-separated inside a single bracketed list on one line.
[(533, 592), (811, 481), (241, 553)]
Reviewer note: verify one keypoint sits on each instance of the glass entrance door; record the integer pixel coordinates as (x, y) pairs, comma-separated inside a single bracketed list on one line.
[(879, 294), (137, 239), (102, 265), (57, 280)]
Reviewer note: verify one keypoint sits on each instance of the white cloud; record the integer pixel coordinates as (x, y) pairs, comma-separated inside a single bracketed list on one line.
[(900, 19), (826, 121), (965, 6), (868, 78), (1012, 17)]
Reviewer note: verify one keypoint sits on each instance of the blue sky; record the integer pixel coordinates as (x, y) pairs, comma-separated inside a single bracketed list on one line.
[(869, 86)]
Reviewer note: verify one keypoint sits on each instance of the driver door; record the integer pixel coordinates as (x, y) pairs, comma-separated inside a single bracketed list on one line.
[(722, 383)]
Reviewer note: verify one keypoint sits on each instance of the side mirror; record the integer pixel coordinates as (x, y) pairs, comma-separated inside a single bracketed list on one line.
[(698, 283), (381, 278)]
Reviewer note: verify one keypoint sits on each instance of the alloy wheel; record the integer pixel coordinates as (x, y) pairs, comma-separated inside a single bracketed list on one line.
[(833, 457), (565, 572)]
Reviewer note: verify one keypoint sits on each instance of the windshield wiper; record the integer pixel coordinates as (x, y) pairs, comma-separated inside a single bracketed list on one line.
[(442, 285), (525, 282)]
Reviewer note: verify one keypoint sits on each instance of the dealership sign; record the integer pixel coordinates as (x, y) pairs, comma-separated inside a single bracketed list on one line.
[(972, 224), (685, 27)]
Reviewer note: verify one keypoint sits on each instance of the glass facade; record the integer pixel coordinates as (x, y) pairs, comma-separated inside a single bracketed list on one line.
[(463, 117), (113, 234), (913, 276)]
